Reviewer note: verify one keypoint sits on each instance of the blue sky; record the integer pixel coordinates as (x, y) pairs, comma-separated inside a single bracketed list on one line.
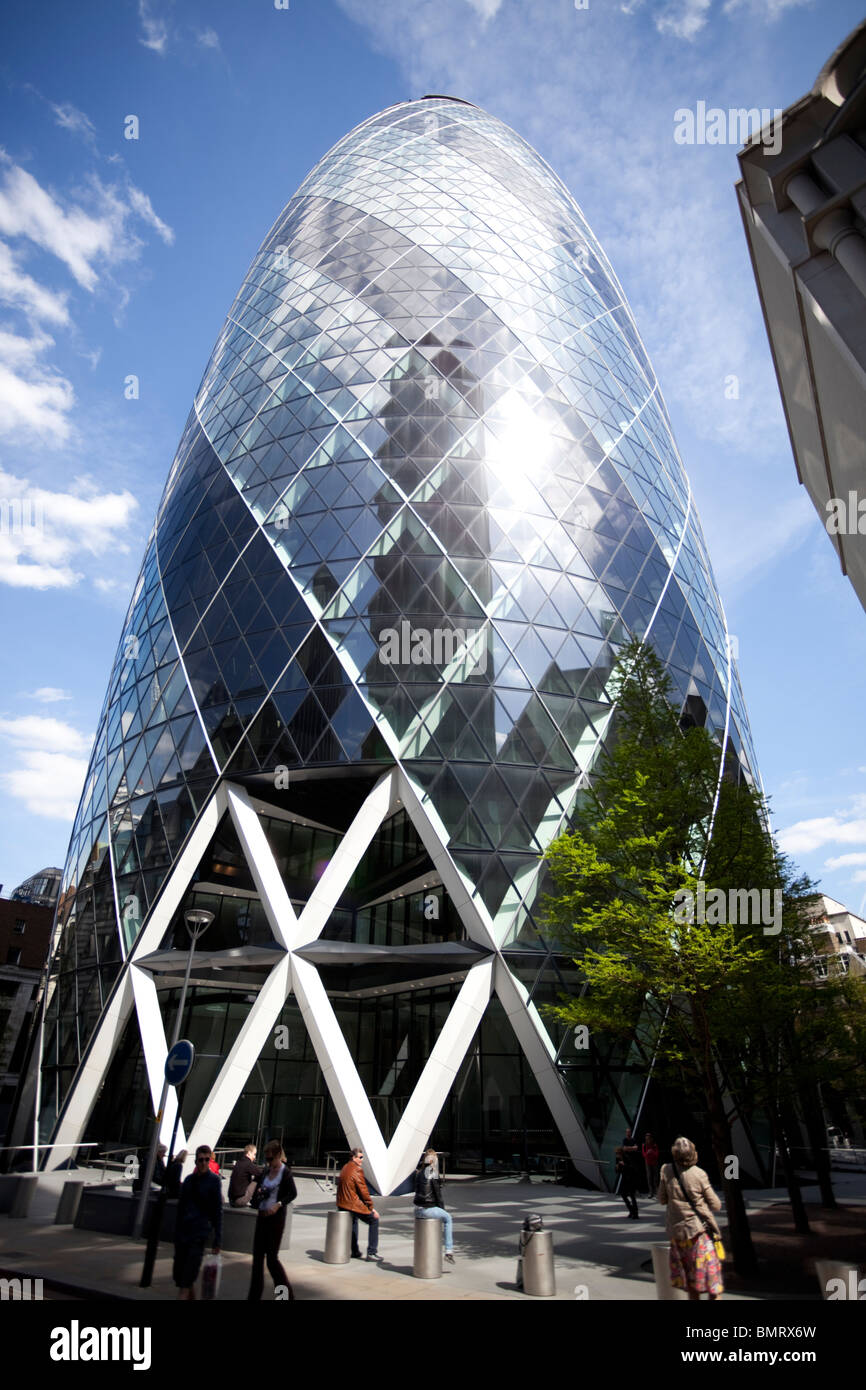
[(120, 257)]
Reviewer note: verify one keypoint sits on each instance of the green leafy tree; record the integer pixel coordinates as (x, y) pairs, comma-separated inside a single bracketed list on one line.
[(662, 830)]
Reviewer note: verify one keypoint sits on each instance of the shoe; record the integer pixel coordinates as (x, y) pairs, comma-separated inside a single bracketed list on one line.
[(356, 1255), (373, 1257), (449, 1257)]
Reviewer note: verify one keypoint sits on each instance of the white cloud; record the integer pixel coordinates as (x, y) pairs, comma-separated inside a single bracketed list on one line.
[(71, 119), (807, 835), (154, 30), (34, 402), (38, 732), (486, 8), (49, 784), (683, 18), (49, 695), (43, 533), (769, 10), (141, 204), (209, 38), (843, 861), (51, 764), (21, 291), (76, 238)]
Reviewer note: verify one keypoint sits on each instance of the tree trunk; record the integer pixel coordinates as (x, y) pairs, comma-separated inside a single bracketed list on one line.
[(801, 1220), (814, 1121), (745, 1261)]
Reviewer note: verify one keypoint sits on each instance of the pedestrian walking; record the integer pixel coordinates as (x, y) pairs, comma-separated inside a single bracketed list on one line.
[(353, 1196), (696, 1247), (245, 1178), (199, 1211), (627, 1183), (632, 1157), (272, 1198), (428, 1198), (650, 1152)]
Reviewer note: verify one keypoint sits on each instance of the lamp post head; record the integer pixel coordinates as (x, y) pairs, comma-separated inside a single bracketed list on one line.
[(198, 919)]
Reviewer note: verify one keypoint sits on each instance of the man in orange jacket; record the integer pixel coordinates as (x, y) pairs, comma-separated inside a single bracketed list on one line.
[(353, 1195)]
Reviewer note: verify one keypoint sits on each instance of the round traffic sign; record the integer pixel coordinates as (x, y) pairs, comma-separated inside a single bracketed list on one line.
[(178, 1063)]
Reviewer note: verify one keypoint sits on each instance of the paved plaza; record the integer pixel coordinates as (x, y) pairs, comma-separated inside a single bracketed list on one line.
[(599, 1253)]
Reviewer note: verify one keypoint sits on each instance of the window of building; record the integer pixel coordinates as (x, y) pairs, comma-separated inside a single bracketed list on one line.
[(20, 924), (13, 956)]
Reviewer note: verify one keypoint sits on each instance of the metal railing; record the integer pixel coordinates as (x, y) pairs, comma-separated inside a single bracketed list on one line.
[(35, 1149)]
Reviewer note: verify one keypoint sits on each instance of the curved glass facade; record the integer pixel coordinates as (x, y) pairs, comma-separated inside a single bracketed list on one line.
[(427, 489)]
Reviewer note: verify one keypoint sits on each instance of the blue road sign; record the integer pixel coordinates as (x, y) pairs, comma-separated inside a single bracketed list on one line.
[(178, 1063)]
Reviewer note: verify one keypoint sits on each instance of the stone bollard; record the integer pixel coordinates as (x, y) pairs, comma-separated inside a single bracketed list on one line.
[(427, 1263), (662, 1273), (70, 1201), (338, 1238), (840, 1281), (23, 1195), (538, 1275)]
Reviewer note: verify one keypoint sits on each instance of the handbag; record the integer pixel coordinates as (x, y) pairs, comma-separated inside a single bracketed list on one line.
[(709, 1225)]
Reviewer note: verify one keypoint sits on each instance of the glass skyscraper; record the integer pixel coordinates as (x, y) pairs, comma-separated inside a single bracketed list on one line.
[(427, 488)]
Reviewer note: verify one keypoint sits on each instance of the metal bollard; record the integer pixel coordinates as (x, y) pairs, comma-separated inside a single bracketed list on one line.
[(70, 1201), (338, 1238), (538, 1276), (662, 1274), (24, 1195), (839, 1280), (428, 1248)]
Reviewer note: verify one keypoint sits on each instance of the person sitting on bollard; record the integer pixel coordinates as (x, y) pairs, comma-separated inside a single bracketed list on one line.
[(428, 1198), (353, 1196), (272, 1198), (696, 1241), (200, 1208), (245, 1178), (628, 1183)]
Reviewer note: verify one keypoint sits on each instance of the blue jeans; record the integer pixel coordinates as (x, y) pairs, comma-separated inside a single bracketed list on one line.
[(372, 1236), (445, 1217)]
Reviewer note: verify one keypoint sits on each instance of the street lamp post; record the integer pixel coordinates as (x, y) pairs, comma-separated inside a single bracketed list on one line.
[(197, 919)]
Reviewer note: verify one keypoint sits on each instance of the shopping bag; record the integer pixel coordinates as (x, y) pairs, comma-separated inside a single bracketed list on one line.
[(211, 1272)]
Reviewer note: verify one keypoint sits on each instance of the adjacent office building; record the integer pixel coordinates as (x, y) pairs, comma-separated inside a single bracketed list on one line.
[(25, 934), (428, 487), (804, 211)]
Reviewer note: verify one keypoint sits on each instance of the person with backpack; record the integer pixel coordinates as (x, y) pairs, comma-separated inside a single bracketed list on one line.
[(696, 1249), (428, 1198), (200, 1209)]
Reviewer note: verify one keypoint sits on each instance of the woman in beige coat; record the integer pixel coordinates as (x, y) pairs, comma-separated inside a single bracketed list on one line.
[(694, 1263)]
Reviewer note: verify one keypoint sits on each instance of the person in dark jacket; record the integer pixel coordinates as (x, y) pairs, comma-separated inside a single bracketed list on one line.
[(272, 1198), (200, 1209), (174, 1174), (628, 1183), (245, 1178), (428, 1198)]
